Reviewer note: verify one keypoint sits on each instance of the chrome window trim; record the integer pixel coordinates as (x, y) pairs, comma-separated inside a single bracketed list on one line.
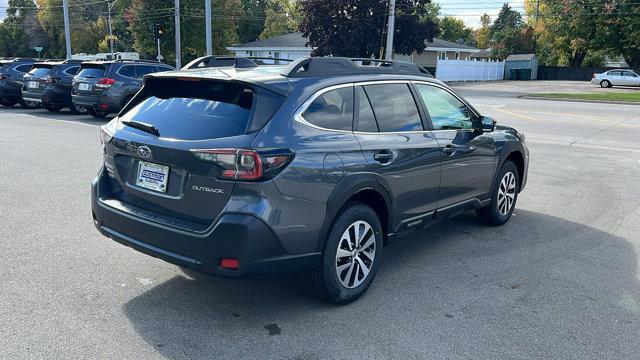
[(299, 118)]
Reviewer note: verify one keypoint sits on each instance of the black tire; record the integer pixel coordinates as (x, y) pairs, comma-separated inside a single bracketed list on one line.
[(7, 103), (605, 84), (52, 108), (98, 114), (78, 109), (492, 214), (324, 279), (29, 104)]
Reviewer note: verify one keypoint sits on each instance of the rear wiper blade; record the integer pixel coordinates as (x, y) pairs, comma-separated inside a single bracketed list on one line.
[(142, 126)]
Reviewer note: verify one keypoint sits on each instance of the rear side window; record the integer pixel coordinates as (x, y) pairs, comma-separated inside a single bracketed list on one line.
[(23, 68), (142, 70), (332, 110), (199, 110), (92, 72), (72, 70), (366, 119), (394, 107), (127, 71)]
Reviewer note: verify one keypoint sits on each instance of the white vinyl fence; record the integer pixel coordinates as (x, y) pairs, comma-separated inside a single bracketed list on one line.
[(469, 70)]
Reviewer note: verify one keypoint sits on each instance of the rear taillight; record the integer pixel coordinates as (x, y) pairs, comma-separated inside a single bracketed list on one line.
[(593, 76), (49, 79), (3, 76), (107, 131), (246, 164), (105, 82)]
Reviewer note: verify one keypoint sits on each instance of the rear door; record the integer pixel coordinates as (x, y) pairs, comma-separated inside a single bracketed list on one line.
[(404, 156), (615, 77), (469, 156), (161, 172)]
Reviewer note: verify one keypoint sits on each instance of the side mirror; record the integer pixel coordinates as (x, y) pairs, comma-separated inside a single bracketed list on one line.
[(488, 124)]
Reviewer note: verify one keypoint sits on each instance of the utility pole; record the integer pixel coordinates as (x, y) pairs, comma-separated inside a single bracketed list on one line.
[(390, 30), (109, 7), (207, 10), (178, 53), (535, 37), (67, 30)]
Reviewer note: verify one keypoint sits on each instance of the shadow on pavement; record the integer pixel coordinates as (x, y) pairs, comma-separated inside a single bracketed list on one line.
[(539, 285)]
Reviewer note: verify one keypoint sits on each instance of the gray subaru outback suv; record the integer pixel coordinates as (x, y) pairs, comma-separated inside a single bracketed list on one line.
[(312, 167)]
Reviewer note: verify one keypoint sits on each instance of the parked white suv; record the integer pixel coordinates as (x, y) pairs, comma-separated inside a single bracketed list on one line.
[(616, 77)]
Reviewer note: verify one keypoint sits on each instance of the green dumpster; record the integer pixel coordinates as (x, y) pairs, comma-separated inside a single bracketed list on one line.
[(513, 74), (525, 74)]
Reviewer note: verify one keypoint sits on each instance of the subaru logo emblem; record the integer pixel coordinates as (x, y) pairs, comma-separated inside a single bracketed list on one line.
[(144, 151)]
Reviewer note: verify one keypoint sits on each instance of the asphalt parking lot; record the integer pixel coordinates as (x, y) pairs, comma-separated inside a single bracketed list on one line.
[(560, 280)]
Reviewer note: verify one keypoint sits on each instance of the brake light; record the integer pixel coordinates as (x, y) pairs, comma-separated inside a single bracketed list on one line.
[(245, 164), (105, 82), (49, 79), (593, 76), (3, 76)]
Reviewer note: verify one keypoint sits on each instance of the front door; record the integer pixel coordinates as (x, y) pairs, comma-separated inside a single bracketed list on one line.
[(469, 155), (404, 157)]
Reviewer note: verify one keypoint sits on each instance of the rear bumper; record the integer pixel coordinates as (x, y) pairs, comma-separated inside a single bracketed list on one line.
[(32, 96), (237, 236), (54, 96), (98, 102)]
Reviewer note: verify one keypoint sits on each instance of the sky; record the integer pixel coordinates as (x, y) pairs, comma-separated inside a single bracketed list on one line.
[(467, 10), (470, 11)]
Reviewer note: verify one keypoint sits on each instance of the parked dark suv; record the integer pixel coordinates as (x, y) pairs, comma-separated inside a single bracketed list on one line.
[(56, 93), (11, 79), (104, 87), (309, 167), (49, 83)]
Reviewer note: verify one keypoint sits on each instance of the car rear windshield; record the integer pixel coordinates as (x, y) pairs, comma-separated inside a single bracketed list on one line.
[(40, 71), (92, 71), (199, 110)]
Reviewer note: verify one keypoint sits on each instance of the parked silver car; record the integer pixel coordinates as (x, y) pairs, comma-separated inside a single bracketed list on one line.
[(617, 78)]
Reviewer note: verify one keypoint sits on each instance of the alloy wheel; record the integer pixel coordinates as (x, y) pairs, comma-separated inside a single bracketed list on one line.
[(355, 255), (506, 193)]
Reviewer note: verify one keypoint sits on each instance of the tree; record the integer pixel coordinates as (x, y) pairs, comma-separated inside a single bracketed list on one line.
[(252, 22), (482, 35), (357, 28), (15, 30), (509, 35), (567, 31), (453, 29), (282, 17)]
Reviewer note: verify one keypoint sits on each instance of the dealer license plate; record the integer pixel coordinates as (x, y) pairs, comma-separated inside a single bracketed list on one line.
[(152, 176)]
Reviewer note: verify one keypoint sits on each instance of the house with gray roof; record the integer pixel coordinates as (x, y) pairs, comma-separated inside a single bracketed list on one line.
[(294, 46)]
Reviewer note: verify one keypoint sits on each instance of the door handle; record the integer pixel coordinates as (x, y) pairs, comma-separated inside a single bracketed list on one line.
[(451, 149), (383, 156)]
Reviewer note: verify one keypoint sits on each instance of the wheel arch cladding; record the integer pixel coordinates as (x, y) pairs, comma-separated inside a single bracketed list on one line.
[(378, 203), (517, 158)]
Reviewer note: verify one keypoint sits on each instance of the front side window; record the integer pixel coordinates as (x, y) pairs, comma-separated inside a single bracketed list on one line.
[(394, 107), (629, 73), (445, 110), (332, 110)]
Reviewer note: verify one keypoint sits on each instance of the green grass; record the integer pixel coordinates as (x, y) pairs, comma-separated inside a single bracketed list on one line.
[(606, 96)]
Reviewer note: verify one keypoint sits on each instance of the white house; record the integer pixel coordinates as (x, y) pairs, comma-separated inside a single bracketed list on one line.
[(294, 45)]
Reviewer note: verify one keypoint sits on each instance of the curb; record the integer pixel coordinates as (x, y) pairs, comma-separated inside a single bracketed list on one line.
[(580, 100)]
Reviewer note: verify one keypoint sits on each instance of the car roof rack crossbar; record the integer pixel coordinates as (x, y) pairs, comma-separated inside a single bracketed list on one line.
[(239, 62), (318, 66)]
